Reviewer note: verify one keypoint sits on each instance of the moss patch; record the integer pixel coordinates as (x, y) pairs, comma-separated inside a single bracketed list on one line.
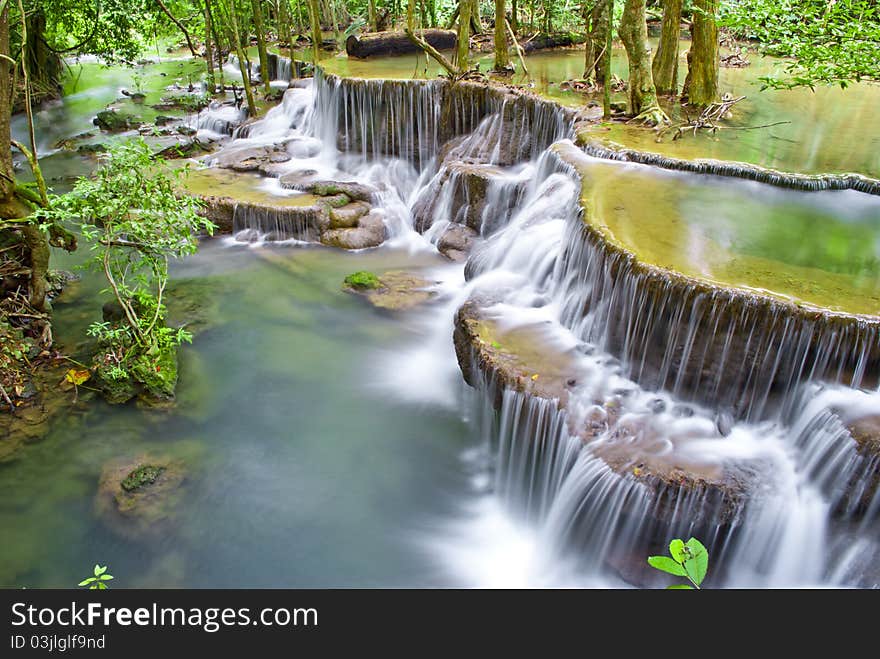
[(143, 475), (363, 280)]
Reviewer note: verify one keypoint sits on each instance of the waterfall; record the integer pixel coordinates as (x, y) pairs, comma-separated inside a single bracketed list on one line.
[(220, 118), (782, 481), (695, 409)]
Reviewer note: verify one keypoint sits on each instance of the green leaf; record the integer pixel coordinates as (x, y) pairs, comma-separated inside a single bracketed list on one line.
[(100, 570), (86, 582), (101, 586), (680, 586), (666, 564), (676, 550), (698, 563), (105, 577)]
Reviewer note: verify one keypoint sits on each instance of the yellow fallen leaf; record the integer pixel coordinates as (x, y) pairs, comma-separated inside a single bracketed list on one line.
[(77, 376), (535, 376), (637, 471)]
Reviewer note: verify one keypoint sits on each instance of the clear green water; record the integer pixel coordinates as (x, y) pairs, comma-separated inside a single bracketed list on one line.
[(829, 130), (818, 248), (303, 469)]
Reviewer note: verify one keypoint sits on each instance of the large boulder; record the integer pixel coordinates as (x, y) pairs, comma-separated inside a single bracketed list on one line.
[(370, 232)]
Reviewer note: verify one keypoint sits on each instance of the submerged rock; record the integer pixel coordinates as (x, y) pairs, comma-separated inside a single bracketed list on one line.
[(139, 497), (116, 121), (395, 290)]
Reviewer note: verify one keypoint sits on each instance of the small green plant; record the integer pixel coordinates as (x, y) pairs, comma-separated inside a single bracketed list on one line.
[(688, 559), (137, 81), (136, 221), (363, 279), (97, 582)]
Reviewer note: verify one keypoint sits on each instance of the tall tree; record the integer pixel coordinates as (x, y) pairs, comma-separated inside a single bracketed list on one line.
[(234, 36), (633, 32), (317, 38), (464, 34), (372, 17), (502, 58), (596, 49), (261, 44), (606, 70), (665, 65), (209, 46), (701, 84), (183, 30)]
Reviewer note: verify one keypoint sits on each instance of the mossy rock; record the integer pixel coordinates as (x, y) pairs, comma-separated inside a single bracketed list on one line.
[(362, 280), (115, 121), (141, 477), (336, 201), (139, 497), (151, 379), (396, 290)]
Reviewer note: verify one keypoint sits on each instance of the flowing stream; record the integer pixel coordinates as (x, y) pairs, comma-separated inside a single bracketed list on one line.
[(330, 445)]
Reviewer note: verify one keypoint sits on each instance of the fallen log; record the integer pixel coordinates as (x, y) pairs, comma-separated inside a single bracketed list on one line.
[(542, 41), (397, 43)]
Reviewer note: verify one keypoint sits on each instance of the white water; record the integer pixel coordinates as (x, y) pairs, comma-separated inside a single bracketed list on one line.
[(546, 509)]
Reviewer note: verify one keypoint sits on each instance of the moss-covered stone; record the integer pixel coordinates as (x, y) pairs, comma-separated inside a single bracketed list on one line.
[(395, 290), (138, 497), (116, 121), (142, 476)]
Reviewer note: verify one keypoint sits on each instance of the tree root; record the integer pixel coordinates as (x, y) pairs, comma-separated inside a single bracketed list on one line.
[(652, 116)]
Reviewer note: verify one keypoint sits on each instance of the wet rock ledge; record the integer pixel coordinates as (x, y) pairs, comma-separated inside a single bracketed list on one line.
[(600, 148), (673, 492), (727, 346)]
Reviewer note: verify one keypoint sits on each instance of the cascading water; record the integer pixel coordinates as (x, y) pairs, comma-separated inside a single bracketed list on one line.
[(780, 491)]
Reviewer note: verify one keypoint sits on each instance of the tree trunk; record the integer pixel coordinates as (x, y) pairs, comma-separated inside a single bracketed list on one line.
[(287, 32), (261, 45), (514, 16), (317, 38), (398, 43), (235, 38), (606, 62), (633, 32), (502, 59), (422, 43), (596, 48), (701, 86), (476, 23), (209, 50), (180, 27), (665, 66), (464, 36), (372, 20)]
